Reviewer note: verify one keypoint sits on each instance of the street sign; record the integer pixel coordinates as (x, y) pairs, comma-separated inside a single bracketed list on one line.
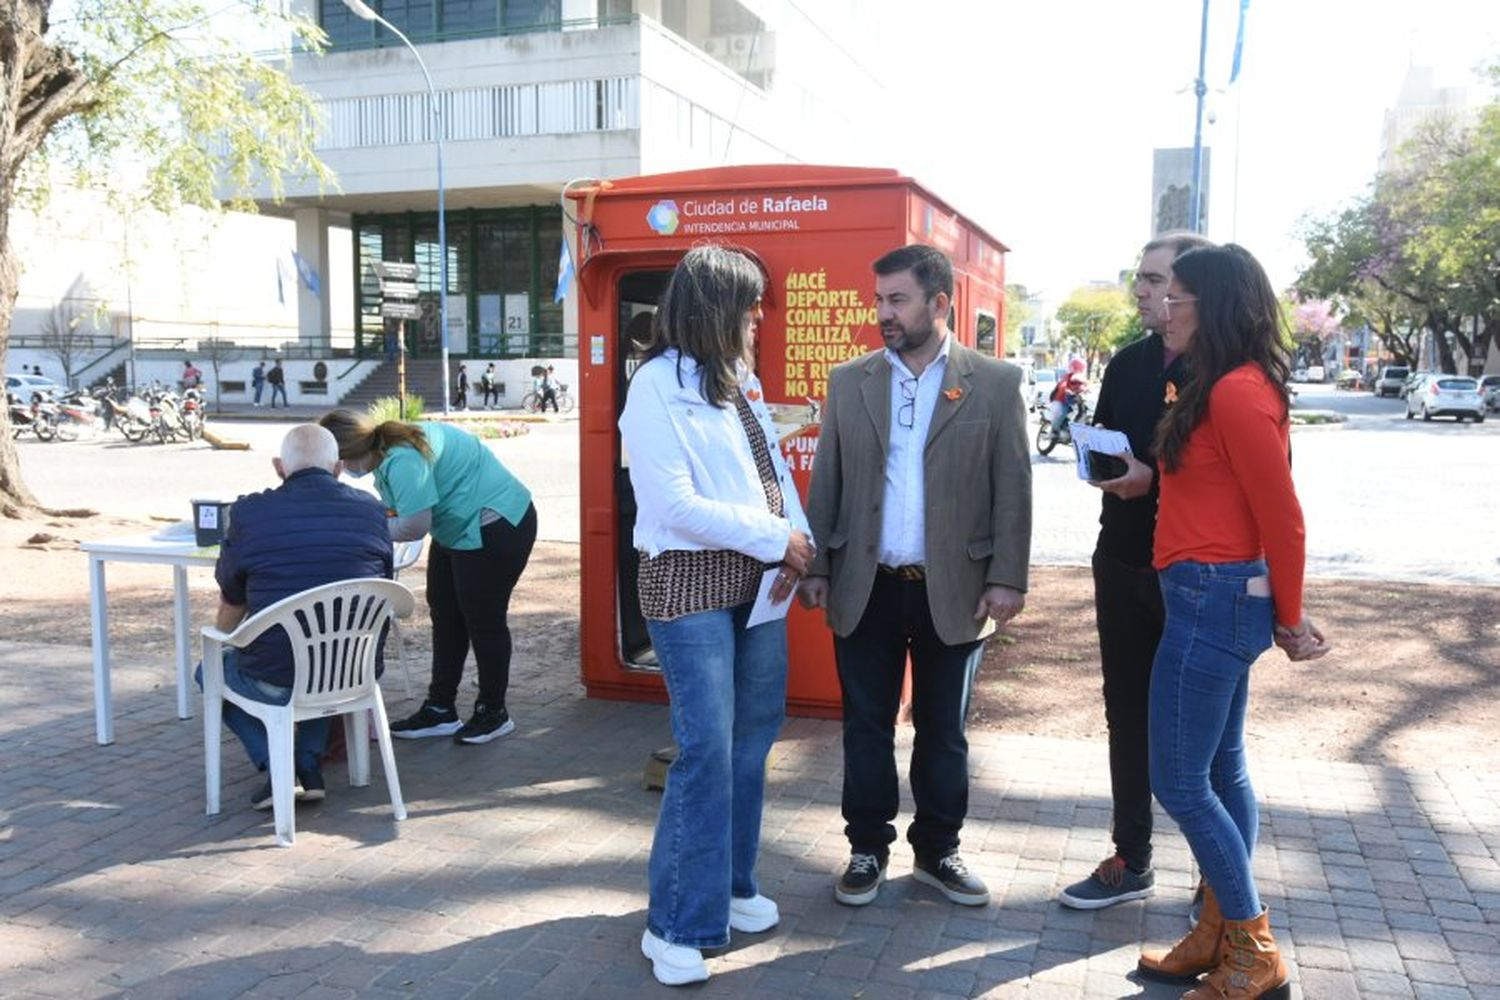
[(398, 289), (397, 309), (395, 270)]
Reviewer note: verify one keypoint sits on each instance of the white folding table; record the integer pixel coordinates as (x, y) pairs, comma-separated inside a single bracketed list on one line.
[(179, 554)]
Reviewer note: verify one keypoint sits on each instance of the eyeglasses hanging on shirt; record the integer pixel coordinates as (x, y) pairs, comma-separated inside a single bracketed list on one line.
[(906, 414)]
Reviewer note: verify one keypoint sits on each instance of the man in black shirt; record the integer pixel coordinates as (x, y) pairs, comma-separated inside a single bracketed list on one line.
[(1141, 381)]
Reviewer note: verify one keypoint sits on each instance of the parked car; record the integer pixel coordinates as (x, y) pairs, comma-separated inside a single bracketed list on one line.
[(1041, 390), (1315, 373), (1391, 380), (1489, 388), (1439, 395), (1349, 379), (24, 385)]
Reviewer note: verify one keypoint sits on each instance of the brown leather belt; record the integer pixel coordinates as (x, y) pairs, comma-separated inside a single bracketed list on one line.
[(911, 571)]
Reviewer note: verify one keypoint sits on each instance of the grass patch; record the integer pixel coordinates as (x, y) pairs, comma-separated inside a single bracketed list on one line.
[(389, 408)]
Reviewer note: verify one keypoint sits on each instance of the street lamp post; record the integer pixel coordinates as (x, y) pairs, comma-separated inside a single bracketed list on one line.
[(362, 10), (1200, 89)]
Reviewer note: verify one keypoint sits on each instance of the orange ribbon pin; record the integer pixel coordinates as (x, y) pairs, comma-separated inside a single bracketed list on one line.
[(952, 393), (1171, 396)]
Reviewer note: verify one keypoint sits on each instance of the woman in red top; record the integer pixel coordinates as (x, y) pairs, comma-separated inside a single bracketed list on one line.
[(1229, 551)]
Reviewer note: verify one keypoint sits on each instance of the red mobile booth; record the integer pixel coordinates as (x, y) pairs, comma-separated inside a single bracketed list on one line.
[(815, 232)]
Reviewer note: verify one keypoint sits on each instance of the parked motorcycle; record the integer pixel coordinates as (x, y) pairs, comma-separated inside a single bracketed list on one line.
[(192, 413), (44, 416), (132, 417), (166, 414), (29, 416), (77, 413)]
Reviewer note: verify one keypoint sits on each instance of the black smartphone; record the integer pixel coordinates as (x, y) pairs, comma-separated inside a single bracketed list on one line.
[(1103, 465)]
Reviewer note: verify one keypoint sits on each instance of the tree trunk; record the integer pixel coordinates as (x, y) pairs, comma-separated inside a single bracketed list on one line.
[(14, 496), (39, 87)]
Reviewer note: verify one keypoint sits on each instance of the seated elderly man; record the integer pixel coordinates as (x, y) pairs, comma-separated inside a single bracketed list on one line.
[(308, 531)]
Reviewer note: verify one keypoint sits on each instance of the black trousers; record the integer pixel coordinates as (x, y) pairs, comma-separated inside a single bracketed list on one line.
[(1128, 609), (468, 594), (871, 664)]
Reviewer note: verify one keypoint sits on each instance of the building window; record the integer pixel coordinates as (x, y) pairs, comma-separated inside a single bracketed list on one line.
[(984, 332), (460, 17), (342, 26), (416, 18), (502, 275), (522, 15)]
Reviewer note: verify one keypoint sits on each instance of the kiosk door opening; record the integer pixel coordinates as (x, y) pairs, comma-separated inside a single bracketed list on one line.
[(637, 293)]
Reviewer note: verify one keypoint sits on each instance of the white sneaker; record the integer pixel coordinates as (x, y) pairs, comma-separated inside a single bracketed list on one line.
[(673, 964), (753, 915)]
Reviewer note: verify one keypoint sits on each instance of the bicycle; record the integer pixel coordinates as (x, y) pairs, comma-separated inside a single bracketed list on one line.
[(531, 402)]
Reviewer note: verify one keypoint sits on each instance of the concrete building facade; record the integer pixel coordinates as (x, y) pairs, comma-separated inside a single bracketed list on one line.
[(532, 94)]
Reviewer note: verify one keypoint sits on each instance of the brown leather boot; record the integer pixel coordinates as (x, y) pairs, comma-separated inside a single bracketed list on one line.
[(1250, 965), (1193, 955)]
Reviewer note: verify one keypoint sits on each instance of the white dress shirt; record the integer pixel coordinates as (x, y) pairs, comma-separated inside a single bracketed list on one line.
[(913, 398)]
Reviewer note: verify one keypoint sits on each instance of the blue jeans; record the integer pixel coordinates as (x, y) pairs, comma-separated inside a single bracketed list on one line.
[(312, 734), (728, 689), (1200, 684)]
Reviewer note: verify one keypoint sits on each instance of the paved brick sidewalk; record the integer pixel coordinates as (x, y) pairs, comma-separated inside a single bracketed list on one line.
[(520, 871)]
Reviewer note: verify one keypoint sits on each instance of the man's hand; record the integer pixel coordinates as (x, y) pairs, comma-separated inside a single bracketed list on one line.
[(1000, 603), (813, 592), (1135, 483)]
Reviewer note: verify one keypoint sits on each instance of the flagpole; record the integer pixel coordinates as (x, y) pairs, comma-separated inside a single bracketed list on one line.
[(1200, 88)]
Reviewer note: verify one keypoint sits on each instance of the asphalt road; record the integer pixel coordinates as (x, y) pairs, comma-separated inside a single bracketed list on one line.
[(1384, 498)]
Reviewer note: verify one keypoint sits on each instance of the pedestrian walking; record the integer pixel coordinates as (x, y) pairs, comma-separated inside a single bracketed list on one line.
[(258, 380), (276, 378), (461, 396)]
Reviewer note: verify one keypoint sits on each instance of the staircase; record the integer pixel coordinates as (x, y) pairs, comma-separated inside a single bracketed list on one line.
[(424, 377)]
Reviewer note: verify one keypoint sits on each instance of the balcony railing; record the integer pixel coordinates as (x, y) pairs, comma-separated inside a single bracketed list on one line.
[(504, 111)]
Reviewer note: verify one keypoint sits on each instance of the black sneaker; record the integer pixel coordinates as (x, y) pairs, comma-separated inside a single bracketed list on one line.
[(950, 876), (310, 787), (1112, 882), (264, 798), (430, 720), (860, 883), (487, 724)]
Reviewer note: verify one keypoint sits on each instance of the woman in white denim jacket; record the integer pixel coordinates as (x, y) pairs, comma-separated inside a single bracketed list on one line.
[(716, 511)]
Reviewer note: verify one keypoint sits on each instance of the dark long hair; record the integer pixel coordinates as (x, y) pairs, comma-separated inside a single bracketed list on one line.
[(1239, 322), (709, 293)]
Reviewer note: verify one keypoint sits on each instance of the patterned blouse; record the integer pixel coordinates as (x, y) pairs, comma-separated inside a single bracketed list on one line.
[(680, 582)]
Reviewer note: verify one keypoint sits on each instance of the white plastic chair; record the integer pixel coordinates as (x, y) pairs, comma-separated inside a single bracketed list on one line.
[(405, 554), (335, 633)]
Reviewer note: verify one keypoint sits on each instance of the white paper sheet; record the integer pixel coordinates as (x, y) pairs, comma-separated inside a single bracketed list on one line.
[(1087, 439), (764, 610)]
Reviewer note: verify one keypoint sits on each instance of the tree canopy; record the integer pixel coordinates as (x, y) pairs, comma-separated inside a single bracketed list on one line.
[(1097, 318), (1420, 252), (167, 101)]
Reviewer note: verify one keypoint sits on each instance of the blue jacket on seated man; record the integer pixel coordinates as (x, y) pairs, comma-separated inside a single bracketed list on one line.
[(308, 531)]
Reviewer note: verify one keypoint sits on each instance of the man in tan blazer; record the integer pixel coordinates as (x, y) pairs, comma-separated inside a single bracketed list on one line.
[(921, 506)]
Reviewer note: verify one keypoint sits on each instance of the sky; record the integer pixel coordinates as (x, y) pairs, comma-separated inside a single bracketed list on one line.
[(1055, 107)]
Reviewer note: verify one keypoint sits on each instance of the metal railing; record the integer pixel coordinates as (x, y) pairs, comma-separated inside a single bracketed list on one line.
[(383, 40), (559, 107)]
